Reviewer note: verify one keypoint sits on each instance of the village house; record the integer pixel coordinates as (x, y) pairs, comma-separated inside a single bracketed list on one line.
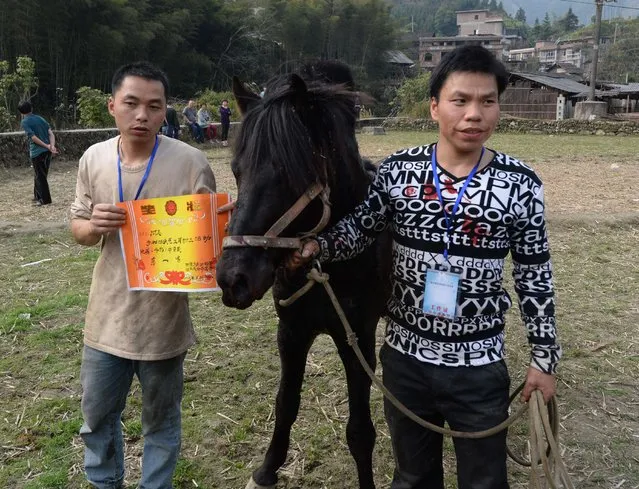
[(480, 27), (546, 81), (574, 52), (479, 22), (541, 96)]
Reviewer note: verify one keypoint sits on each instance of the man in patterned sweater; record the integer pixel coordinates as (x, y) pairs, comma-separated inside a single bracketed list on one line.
[(455, 210)]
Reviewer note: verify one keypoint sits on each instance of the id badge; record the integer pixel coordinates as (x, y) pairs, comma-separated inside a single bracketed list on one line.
[(440, 294)]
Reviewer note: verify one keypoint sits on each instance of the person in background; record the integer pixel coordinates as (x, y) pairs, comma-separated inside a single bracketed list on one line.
[(41, 148), (171, 127), (190, 117), (455, 210), (204, 121), (225, 121), (132, 333)]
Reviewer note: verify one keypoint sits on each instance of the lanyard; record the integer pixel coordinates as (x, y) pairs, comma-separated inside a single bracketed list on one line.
[(146, 173), (449, 219)]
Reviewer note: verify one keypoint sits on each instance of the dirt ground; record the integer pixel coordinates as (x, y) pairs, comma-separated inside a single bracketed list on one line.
[(580, 186), (592, 199)]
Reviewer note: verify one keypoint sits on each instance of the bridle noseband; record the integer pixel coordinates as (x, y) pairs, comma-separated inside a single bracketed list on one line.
[(271, 238)]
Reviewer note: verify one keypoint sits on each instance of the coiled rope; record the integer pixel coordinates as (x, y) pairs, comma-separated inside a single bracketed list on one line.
[(547, 469)]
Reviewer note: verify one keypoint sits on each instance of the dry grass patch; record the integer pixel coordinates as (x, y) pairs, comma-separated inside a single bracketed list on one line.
[(232, 374)]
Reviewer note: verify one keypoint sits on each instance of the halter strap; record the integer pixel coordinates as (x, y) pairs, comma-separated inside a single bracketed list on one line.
[(271, 238)]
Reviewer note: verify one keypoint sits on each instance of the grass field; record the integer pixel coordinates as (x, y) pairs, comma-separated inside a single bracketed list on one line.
[(592, 198)]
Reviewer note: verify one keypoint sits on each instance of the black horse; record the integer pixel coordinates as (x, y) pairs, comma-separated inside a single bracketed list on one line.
[(303, 133)]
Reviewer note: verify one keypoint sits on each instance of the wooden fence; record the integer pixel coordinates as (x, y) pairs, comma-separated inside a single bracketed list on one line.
[(529, 103)]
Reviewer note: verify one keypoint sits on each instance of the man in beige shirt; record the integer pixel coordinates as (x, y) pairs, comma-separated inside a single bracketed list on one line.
[(126, 332)]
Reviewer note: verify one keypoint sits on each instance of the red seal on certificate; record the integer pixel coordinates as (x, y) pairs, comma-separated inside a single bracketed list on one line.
[(170, 207)]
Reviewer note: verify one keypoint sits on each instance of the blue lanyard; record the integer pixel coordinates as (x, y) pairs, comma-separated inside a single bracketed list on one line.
[(449, 219), (146, 173)]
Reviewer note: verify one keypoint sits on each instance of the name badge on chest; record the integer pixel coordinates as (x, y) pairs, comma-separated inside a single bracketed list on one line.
[(440, 294)]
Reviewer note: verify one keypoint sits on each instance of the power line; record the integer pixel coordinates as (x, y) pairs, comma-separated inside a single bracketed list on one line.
[(605, 5)]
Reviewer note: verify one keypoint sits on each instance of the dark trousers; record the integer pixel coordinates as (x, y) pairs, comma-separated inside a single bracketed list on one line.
[(172, 131), (225, 130), (41, 164), (196, 132), (468, 399)]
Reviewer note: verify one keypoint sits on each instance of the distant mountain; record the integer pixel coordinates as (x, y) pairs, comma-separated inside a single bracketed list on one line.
[(584, 9), (535, 9)]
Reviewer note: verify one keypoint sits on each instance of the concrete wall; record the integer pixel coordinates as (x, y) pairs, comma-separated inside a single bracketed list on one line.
[(71, 144), (13, 145), (568, 126)]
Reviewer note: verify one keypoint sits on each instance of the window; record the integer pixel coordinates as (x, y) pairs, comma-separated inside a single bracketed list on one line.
[(476, 17)]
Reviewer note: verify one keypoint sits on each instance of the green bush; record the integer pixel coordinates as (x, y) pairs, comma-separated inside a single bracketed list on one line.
[(92, 105), (15, 85), (213, 100), (413, 98), (6, 120)]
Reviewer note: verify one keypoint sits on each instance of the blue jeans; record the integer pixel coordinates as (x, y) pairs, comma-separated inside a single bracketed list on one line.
[(171, 131), (106, 380), (468, 398), (196, 132)]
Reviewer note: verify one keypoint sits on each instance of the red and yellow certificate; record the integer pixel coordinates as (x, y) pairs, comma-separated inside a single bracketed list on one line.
[(173, 243)]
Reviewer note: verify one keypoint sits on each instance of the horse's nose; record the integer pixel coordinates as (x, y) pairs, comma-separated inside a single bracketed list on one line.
[(235, 289)]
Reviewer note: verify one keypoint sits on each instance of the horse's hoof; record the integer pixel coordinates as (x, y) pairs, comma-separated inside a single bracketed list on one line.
[(254, 485)]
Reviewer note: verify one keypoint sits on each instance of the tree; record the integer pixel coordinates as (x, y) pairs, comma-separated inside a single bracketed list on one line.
[(569, 22), (618, 62), (16, 85), (520, 16), (199, 43), (445, 21), (413, 97), (92, 105), (546, 28), (536, 30)]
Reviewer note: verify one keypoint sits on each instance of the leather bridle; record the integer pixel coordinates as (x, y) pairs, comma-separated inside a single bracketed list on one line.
[(271, 238)]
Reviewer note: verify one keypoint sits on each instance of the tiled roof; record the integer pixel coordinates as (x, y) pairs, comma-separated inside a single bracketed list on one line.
[(561, 83), (399, 58)]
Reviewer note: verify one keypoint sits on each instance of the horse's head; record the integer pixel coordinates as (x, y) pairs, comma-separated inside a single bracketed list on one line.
[(296, 136)]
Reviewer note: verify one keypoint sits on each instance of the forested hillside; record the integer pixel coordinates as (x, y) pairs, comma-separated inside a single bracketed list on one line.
[(583, 9), (200, 43), (430, 17), (434, 15)]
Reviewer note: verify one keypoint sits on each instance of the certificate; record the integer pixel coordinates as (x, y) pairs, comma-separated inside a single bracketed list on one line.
[(172, 244)]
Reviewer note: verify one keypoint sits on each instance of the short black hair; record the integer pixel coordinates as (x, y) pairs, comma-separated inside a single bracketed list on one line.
[(25, 107), (471, 59), (143, 69)]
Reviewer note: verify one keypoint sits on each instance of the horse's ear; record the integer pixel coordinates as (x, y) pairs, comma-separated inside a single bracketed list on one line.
[(244, 98), (298, 92), (298, 86)]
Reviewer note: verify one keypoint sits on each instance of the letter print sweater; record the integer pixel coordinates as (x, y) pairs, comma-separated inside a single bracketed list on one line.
[(501, 211)]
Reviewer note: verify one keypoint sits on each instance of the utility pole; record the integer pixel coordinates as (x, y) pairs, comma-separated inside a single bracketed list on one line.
[(595, 54)]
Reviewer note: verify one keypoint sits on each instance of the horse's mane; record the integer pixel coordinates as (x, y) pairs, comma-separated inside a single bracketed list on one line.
[(304, 134)]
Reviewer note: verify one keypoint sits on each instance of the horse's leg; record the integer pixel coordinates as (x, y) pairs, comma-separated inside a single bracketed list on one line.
[(294, 342), (360, 431)]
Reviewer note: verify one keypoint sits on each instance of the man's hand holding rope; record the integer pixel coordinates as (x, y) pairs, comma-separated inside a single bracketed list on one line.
[(538, 380)]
